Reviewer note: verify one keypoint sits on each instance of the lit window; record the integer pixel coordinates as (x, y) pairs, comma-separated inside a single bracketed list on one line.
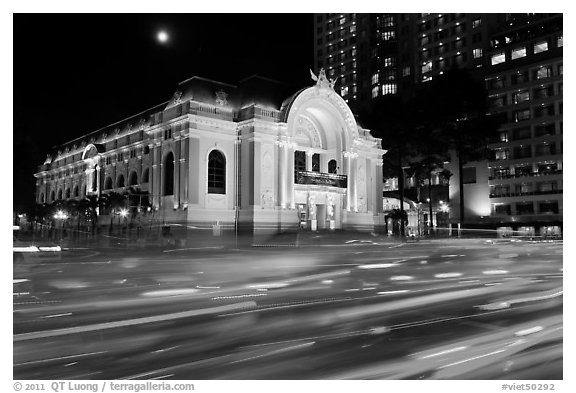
[(476, 23), (375, 78), (521, 96), (542, 72), (426, 78), (216, 173), (375, 91), (522, 115), (541, 46), (406, 71), (388, 21), (388, 62), (427, 67), (498, 58), (502, 154), (559, 42), (477, 53), (342, 21), (389, 88), (518, 53), (344, 91), (389, 35)]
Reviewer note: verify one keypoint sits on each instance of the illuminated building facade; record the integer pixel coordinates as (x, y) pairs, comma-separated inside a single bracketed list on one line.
[(247, 155), (519, 56), (520, 187), (380, 54)]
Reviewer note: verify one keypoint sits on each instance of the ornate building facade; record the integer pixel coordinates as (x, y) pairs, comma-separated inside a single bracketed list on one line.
[(248, 156)]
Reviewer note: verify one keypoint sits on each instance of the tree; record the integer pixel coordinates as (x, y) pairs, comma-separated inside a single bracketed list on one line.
[(113, 201), (454, 105), (398, 216), (390, 118), (89, 208)]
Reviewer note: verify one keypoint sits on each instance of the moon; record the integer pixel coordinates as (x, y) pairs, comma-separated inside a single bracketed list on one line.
[(162, 37)]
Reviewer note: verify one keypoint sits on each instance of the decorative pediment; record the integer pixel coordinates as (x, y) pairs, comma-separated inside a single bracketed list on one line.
[(92, 150)]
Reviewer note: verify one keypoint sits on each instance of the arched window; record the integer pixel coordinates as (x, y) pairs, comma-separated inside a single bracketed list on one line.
[(75, 191), (169, 174), (52, 196), (67, 193), (133, 180), (120, 181), (59, 194), (108, 183), (145, 176), (216, 173), (332, 166)]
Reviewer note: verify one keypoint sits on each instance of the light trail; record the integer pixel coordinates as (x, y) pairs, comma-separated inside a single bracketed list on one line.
[(132, 322)]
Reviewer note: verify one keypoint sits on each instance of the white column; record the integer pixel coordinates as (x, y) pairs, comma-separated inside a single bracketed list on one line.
[(98, 180), (347, 200), (176, 190), (290, 186), (353, 175), (156, 192), (282, 174), (309, 161), (379, 187)]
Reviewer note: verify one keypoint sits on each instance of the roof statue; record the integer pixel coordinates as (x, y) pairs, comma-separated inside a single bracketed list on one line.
[(321, 79)]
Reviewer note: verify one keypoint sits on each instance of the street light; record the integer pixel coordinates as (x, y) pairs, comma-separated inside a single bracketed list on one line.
[(444, 207), (60, 215)]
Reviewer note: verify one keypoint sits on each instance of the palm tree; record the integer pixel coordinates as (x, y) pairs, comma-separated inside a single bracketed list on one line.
[(88, 208), (398, 216), (391, 119), (113, 202), (455, 105)]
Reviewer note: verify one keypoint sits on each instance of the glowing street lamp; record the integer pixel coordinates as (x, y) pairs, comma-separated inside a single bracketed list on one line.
[(60, 215), (124, 213), (444, 207)]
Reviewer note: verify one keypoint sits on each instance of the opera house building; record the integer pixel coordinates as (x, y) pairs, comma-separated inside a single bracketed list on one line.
[(251, 156)]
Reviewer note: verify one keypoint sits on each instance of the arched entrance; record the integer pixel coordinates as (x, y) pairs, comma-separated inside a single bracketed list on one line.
[(334, 161)]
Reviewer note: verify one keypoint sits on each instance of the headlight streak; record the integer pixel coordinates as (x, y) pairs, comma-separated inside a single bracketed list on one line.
[(239, 296), (26, 249), (445, 352), (472, 358), (447, 275), (275, 352)]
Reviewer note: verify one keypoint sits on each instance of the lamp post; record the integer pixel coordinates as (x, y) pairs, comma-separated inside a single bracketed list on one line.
[(444, 208), (60, 216)]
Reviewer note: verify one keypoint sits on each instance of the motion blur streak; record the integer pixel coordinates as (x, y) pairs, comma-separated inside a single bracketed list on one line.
[(132, 322), (317, 308), (443, 352)]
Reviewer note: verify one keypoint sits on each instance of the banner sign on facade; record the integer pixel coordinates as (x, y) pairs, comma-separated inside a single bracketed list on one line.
[(321, 179)]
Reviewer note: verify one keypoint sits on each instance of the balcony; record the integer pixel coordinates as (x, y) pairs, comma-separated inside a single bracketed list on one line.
[(517, 194), (518, 175)]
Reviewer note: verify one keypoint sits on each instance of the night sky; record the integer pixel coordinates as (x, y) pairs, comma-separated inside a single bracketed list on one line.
[(76, 73)]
